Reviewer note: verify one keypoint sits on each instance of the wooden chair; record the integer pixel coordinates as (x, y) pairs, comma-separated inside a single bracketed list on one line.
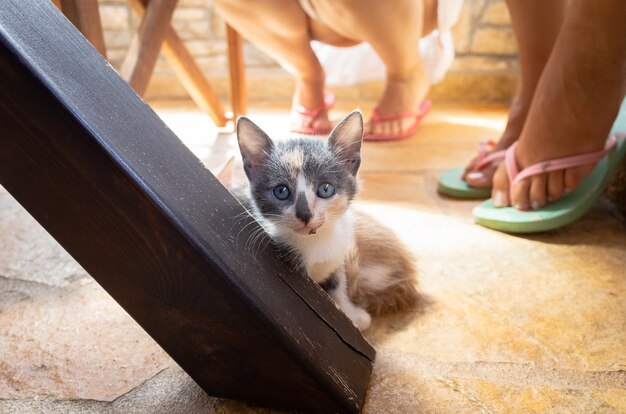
[(155, 35)]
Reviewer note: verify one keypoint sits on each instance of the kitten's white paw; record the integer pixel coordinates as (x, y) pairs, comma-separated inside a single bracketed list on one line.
[(360, 318)]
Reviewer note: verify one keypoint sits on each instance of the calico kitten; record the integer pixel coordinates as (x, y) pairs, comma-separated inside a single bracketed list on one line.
[(301, 192)]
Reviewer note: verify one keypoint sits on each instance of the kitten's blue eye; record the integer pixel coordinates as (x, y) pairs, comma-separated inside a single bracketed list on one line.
[(325, 190), (281, 192)]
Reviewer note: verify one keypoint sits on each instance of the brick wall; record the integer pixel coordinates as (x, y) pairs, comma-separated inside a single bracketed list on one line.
[(486, 67), (485, 70)]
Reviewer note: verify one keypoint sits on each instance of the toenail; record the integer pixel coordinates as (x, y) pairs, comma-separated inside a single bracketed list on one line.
[(499, 199), (476, 175), (568, 190), (535, 205), (518, 206)]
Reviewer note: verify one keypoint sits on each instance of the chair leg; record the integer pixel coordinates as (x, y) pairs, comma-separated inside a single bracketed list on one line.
[(85, 16), (236, 68), (144, 49), (189, 73)]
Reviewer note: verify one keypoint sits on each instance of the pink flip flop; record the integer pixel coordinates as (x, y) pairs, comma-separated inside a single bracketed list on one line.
[(418, 115), (515, 175), (486, 156), (452, 183), (568, 208), (307, 127)]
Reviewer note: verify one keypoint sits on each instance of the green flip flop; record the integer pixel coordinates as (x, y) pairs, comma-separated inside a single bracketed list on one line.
[(569, 208), (452, 184)]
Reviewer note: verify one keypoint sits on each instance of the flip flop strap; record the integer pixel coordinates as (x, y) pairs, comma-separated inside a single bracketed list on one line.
[(515, 175), (496, 155), (377, 117), (421, 111), (312, 114), (484, 157)]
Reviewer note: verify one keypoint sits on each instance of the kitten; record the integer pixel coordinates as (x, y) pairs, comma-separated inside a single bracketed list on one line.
[(300, 191)]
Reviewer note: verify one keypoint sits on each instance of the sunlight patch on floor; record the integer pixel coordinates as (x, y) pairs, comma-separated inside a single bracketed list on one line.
[(213, 145), (426, 231), (497, 124)]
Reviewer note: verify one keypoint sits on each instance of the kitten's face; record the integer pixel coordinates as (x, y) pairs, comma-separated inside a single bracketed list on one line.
[(302, 184)]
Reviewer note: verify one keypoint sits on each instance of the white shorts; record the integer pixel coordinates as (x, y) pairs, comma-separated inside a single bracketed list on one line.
[(360, 63)]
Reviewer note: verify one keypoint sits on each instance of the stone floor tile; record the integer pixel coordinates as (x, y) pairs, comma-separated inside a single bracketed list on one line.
[(506, 324)]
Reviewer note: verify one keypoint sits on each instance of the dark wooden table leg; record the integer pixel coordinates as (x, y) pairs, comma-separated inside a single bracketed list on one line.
[(111, 183)]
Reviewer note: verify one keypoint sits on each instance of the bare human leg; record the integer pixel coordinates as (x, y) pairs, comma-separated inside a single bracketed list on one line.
[(281, 29), (536, 24), (574, 105), (393, 29)]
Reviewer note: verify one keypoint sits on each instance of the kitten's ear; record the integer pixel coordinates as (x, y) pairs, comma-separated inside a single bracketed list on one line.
[(254, 144), (345, 141)]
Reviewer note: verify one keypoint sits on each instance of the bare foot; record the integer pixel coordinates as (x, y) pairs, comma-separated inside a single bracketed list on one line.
[(400, 95), (517, 117), (536, 26), (310, 95), (576, 102)]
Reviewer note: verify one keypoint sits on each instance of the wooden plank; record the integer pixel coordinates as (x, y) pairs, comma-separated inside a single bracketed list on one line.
[(84, 14), (57, 3), (144, 49), (236, 66), (99, 170), (189, 73)]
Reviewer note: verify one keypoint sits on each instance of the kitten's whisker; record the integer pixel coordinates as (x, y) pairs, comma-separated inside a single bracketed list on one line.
[(246, 226), (256, 241), (251, 237), (241, 216), (339, 148), (260, 239)]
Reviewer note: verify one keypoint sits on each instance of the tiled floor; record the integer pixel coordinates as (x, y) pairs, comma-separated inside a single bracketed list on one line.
[(508, 324)]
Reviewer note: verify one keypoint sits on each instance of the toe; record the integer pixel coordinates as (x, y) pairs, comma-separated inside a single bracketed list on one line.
[(469, 169), (482, 178), (378, 128), (537, 193), (555, 185), (476, 179), (386, 128), (322, 122), (393, 127), (573, 177), (520, 194), (500, 191), (406, 124)]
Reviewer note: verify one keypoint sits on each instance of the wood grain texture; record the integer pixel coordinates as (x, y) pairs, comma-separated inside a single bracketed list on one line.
[(189, 73), (144, 49), (110, 182), (84, 14), (236, 68)]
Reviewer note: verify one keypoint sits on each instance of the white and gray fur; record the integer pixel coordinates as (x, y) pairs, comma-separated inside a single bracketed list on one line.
[(361, 264)]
